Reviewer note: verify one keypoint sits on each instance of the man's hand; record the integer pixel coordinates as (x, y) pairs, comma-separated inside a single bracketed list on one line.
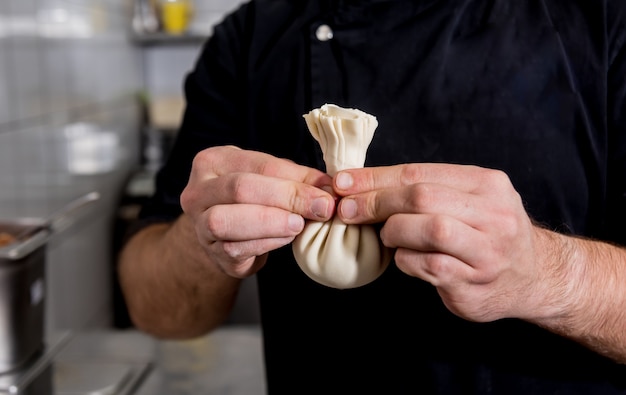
[(463, 229), (246, 203), (180, 279)]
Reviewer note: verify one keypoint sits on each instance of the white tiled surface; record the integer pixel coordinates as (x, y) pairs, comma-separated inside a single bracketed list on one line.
[(24, 67), (58, 82), (5, 104)]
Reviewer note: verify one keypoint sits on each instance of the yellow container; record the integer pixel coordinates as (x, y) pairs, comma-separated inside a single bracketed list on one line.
[(175, 15)]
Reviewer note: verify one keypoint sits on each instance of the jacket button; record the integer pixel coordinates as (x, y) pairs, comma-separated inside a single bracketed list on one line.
[(324, 33)]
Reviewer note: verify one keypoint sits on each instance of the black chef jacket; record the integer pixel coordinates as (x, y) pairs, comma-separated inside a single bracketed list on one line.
[(535, 88)]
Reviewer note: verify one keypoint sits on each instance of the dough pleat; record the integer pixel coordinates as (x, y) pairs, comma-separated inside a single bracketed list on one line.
[(333, 253)]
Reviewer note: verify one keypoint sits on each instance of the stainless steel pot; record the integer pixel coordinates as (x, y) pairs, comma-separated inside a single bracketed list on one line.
[(23, 285)]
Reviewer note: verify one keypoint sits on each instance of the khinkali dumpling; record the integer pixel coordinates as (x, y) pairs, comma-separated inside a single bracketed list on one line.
[(333, 253)]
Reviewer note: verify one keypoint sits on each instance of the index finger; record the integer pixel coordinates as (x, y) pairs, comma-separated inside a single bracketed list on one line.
[(466, 178), (217, 161)]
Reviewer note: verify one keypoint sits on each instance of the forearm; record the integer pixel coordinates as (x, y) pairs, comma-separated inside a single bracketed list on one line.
[(171, 288), (594, 308)]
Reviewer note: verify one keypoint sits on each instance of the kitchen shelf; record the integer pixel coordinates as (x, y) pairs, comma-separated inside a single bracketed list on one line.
[(167, 39)]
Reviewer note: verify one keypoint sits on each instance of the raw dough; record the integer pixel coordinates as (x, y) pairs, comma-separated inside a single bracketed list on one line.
[(333, 253)]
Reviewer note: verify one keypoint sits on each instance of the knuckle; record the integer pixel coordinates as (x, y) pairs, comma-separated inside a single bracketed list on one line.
[(369, 206), (485, 276), (219, 150), (410, 174), (441, 231), (295, 199), (495, 179), (239, 188), (421, 198), (509, 225), (233, 251), (437, 268), (204, 158), (187, 197), (215, 224), (270, 166), (213, 160), (200, 158)]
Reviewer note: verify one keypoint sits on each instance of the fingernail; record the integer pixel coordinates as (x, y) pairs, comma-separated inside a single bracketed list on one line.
[(319, 207), (348, 208), (344, 181), (295, 222)]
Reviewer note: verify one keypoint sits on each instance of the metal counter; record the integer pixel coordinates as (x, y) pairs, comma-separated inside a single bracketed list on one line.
[(227, 361), (127, 362)]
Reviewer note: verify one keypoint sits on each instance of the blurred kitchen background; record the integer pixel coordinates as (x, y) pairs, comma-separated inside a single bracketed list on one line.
[(90, 99)]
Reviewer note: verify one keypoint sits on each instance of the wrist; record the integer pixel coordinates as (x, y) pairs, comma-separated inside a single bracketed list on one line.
[(560, 274)]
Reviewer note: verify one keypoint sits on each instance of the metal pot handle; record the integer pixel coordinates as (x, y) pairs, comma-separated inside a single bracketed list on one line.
[(21, 249), (31, 239), (60, 219)]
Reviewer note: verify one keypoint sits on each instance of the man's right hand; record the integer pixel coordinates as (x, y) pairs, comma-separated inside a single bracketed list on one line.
[(181, 279), (244, 204)]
